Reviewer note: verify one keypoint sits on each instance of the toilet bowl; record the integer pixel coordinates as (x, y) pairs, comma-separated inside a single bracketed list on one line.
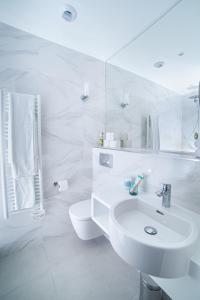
[(84, 226)]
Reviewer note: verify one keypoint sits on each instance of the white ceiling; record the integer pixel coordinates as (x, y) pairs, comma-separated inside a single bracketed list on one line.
[(102, 26), (178, 31)]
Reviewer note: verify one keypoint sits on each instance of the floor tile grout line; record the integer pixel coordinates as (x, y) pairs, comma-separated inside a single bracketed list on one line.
[(50, 266), (23, 284)]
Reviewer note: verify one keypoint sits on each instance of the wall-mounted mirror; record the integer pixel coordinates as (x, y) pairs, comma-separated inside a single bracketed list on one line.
[(152, 84)]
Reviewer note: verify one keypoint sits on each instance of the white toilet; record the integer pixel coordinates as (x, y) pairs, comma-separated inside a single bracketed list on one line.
[(84, 226)]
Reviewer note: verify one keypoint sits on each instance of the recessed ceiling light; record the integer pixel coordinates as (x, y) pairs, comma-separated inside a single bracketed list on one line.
[(159, 64), (69, 13), (181, 53)]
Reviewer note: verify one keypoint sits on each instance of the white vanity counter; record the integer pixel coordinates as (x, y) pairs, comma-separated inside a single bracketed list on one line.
[(184, 288), (182, 173)]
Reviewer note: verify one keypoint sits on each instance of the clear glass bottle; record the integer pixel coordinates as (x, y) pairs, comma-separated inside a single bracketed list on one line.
[(101, 139)]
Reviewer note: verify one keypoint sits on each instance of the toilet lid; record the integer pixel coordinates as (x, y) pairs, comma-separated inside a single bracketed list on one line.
[(81, 210)]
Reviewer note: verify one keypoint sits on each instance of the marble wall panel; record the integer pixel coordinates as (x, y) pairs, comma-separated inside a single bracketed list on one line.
[(70, 128)]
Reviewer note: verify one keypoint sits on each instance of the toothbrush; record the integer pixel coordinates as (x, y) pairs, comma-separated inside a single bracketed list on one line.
[(136, 184)]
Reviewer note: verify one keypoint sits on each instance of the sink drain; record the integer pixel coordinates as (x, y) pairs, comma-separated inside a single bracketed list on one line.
[(150, 230)]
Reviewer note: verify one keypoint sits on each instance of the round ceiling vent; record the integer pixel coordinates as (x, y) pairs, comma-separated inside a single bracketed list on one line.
[(69, 13)]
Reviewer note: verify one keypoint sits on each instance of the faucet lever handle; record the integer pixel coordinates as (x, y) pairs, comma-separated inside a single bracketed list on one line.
[(165, 188), (159, 193)]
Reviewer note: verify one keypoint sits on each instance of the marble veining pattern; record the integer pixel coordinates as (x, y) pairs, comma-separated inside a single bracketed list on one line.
[(70, 128), (51, 259), (44, 259)]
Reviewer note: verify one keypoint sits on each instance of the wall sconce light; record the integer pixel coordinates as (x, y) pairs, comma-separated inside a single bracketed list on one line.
[(126, 101), (85, 96)]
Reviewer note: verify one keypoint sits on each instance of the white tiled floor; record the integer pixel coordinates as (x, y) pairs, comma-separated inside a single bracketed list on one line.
[(54, 264)]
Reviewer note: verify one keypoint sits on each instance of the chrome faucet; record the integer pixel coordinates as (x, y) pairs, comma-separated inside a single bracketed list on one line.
[(165, 193)]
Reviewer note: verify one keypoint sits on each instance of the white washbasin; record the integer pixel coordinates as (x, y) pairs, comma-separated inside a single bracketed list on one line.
[(164, 254)]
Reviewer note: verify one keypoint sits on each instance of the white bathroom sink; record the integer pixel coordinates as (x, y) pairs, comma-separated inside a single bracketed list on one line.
[(164, 253)]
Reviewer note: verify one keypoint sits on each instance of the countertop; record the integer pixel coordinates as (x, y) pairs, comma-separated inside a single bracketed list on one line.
[(184, 288)]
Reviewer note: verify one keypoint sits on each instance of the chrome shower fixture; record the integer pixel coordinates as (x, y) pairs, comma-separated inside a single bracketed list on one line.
[(196, 98)]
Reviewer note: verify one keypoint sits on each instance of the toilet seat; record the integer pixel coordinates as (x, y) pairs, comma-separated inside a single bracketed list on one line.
[(81, 210), (81, 217)]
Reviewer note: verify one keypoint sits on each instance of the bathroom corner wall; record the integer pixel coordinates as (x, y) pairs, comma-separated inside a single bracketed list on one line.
[(182, 174), (70, 128)]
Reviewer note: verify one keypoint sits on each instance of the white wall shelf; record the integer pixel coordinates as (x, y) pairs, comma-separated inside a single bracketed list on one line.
[(100, 213)]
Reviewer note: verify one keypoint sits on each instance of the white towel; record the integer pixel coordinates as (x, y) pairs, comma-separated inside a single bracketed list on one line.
[(156, 133), (25, 192), (153, 134), (21, 144), (149, 133)]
